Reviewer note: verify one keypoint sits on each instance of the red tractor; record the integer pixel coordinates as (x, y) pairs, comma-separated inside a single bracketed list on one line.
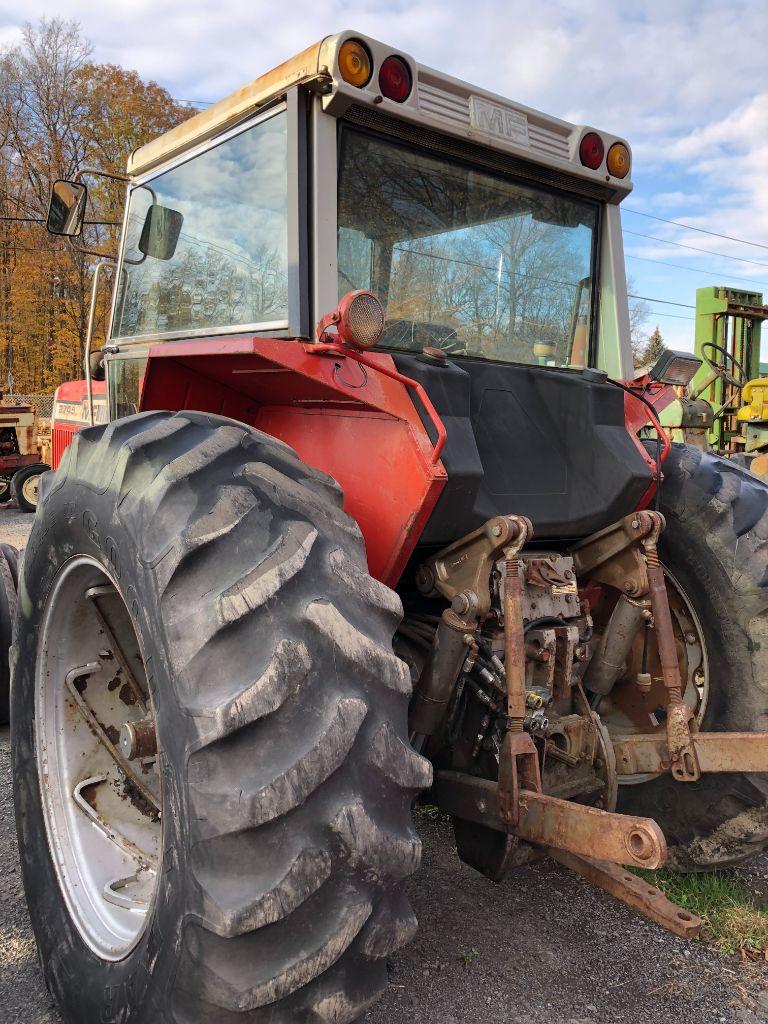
[(432, 544)]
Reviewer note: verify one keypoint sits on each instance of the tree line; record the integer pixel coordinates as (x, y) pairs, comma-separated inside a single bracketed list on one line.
[(60, 112)]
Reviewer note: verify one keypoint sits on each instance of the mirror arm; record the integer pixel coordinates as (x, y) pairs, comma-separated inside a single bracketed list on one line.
[(108, 264), (93, 252), (114, 175)]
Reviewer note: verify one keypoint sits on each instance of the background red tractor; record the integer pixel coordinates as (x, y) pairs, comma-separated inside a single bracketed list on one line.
[(294, 582)]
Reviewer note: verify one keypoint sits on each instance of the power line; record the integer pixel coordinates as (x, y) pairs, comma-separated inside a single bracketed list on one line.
[(43, 220), (693, 248), (690, 227), (693, 270), (195, 103), (667, 302), (654, 314)]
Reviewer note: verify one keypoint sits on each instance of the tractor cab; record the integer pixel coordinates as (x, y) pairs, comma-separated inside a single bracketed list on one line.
[(488, 231)]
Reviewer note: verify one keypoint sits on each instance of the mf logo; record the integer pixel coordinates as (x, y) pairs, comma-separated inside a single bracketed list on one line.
[(497, 120)]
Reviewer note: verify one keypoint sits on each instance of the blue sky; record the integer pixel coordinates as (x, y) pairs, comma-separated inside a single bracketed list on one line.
[(685, 82)]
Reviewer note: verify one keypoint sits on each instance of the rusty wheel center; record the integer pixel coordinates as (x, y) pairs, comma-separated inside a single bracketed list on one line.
[(101, 799)]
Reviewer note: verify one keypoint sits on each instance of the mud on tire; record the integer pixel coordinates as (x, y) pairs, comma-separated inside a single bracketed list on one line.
[(716, 545), (281, 717)]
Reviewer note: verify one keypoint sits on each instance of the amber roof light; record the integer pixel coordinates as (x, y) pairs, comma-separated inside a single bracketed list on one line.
[(355, 65), (618, 160)]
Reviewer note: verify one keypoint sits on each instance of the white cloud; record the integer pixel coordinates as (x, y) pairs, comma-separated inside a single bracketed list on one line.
[(683, 81)]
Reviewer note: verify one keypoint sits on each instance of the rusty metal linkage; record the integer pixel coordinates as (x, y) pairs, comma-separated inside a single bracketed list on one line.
[(680, 717), (632, 890), (519, 759), (612, 556), (548, 821), (461, 573), (715, 752)]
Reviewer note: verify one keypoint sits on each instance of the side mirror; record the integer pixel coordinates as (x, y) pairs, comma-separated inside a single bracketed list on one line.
[(160, 234), (66, 210), (98, 369)]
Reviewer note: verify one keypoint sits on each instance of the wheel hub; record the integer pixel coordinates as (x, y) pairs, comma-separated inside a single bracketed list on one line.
[(31, 488), (103, 810)]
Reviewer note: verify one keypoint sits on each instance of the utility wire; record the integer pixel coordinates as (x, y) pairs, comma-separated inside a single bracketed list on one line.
[(655, 315), (667, 302), (693, 270), (690, 227), (42, 220), (694, 248)]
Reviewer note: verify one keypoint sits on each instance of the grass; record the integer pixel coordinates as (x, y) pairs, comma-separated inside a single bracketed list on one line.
[(468, 956), (431, 813), (732, 921)]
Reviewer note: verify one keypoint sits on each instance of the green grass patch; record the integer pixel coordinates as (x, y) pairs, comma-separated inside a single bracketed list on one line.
[(429, 812), (732, 919)]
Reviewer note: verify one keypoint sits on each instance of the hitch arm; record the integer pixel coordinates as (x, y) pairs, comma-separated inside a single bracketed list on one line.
[(715, 752), (549, 821)]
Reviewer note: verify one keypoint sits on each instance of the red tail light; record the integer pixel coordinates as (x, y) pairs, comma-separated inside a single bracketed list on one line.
[(395, 79), (591, 150)]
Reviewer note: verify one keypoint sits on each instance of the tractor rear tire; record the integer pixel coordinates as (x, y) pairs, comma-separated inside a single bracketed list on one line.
[(281, 718), (24, 486), (716, 545), (8, 586)]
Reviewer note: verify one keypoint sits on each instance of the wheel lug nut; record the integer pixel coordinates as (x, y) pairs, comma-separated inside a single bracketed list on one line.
[(138, 739)]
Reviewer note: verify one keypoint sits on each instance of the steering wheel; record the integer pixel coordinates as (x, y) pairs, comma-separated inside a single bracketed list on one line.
[(720, 369)]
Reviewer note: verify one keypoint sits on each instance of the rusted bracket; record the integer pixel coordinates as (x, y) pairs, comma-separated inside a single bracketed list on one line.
[(647, 899), (463, 569), (518, 772), (547, 821), (613, 556), (715, 752)]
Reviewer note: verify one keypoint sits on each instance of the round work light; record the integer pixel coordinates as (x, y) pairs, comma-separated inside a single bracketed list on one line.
[(358, 319), (361, 319)]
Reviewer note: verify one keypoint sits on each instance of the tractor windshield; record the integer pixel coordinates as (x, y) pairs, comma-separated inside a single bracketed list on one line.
[(464, 259)]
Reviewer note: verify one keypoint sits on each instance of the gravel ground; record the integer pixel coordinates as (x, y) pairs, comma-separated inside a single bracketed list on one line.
[(543, 946)]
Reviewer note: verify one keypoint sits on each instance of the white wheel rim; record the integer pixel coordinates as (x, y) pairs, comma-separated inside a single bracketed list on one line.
[(30, 488), (102, 812)]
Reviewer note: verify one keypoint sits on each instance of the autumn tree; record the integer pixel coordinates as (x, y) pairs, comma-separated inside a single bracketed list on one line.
[(59, 112)]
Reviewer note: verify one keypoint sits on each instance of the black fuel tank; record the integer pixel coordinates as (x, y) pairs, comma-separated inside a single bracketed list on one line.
[(548, 444)]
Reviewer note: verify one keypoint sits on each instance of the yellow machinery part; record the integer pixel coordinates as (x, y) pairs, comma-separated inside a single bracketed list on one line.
[(755, 399)]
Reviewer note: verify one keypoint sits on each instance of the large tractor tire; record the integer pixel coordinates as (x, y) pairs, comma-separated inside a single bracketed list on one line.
[(193, 575), (8, 583), (716, 546)]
